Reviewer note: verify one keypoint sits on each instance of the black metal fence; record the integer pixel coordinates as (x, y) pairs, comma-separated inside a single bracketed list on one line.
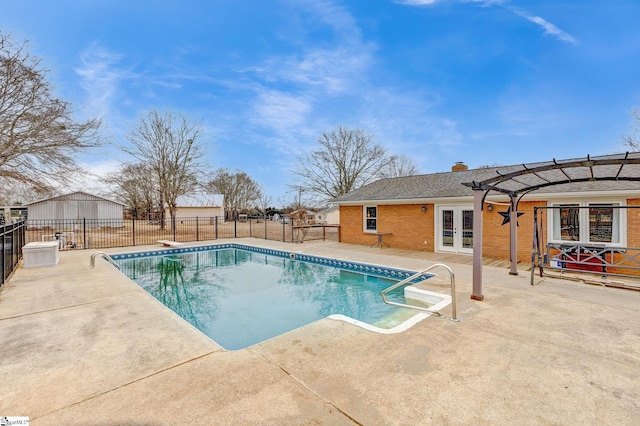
[(13, 239), (105, 233)]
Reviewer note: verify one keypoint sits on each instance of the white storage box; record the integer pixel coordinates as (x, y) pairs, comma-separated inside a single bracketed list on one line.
[(39, 254)]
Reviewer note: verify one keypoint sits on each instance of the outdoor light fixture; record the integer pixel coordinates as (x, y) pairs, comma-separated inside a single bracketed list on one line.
[(424, 208), (490, 207)]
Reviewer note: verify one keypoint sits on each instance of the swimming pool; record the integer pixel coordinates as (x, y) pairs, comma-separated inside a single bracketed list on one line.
[(241, 295)]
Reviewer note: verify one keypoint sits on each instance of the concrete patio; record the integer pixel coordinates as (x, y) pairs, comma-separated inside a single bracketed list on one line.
[(88, 346)]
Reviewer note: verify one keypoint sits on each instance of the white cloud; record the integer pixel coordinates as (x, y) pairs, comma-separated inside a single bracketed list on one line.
[(486, 3), (403, 122), (416, 2), (289, 90), (100, 77), (89, 177), (548, 27), (279, 110), (329, 71)]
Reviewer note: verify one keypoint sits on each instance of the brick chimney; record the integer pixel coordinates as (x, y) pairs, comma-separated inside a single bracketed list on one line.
[(459, 167)]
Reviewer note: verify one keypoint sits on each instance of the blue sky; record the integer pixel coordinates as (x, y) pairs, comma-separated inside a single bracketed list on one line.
[(479, 81)]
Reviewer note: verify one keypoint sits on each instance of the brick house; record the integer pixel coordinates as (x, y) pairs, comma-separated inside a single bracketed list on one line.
[(435, 212)]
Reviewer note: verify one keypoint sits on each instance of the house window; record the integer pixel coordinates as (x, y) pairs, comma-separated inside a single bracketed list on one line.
[(587, 223), (569, 222), (604, 224), (370, 218)]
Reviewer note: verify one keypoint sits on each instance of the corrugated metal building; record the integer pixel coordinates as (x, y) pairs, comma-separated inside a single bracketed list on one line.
[(200, 205), (76, 206)]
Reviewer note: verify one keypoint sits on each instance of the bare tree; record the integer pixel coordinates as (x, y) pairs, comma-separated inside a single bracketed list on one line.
[(263, 202), (633, 141), (168, 145), (399, 166), (17, 193), (136, 186), (345, 160), (298, 213), (38, 136), (240, 190)]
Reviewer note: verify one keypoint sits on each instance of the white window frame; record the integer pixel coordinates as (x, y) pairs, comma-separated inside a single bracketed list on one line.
[(583, 220), (364, 216)]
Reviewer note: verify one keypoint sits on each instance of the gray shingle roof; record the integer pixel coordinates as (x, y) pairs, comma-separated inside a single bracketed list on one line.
[(450, 184), (437, 185)]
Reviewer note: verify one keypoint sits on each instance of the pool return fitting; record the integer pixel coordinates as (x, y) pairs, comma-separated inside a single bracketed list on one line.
[(413, 277)]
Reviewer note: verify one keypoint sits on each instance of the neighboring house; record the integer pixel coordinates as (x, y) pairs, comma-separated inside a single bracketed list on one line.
[(307, 216), (435, 212), (75, 208), (329, 216), (199, 205)]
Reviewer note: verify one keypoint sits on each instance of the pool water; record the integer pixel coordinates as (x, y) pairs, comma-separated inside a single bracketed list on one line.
[(239, 298)]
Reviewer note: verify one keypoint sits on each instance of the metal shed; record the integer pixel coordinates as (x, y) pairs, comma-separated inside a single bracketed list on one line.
[(77, 206), (199, 205)]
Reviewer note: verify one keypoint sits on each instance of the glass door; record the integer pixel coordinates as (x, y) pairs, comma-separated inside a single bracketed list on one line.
[(455, 229), (448, 229)]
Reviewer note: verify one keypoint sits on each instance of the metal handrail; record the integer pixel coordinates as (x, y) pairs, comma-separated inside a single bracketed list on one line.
[(416, 275), (105, 256)]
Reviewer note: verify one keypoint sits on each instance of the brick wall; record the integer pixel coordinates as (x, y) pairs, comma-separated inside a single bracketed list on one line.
[(633, 240), (496, 237), (411, 227), (633, 223)]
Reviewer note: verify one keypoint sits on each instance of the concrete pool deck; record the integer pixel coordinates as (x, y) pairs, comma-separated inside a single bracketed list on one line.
[(85, 346)]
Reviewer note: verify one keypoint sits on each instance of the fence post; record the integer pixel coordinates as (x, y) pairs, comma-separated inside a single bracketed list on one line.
[(250, 228), (197, 236), (12, 238), (235, 227), (133, 230), (2, 259), (84, 232), (216, 226), (283, 236), (265, 228), (173, 227)]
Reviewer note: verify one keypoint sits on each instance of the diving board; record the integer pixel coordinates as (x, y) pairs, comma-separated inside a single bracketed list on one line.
[(169, 243)]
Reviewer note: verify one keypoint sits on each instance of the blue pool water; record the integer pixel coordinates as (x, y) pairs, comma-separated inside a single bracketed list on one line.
[(240, 297)]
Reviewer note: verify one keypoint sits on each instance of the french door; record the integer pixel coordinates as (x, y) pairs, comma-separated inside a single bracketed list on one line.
[(455, 228)]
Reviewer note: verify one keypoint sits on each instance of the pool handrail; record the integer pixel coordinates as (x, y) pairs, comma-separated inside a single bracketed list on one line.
[(105, 256), (416, 275)]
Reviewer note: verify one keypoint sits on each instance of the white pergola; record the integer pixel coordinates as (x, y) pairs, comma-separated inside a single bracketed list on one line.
[(533, 176)]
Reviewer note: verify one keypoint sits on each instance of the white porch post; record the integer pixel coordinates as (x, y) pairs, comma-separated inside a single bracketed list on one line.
[(513, 230), (477, 245)]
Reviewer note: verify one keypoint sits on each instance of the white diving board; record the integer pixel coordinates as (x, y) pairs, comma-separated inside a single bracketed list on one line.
[(168, 243)]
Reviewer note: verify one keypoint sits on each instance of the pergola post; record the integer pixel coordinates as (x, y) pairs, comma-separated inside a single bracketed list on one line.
[(513, 230), (478, 196)]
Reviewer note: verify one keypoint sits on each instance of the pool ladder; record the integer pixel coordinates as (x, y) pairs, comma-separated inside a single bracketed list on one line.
[(416, 275), (105, 256)]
